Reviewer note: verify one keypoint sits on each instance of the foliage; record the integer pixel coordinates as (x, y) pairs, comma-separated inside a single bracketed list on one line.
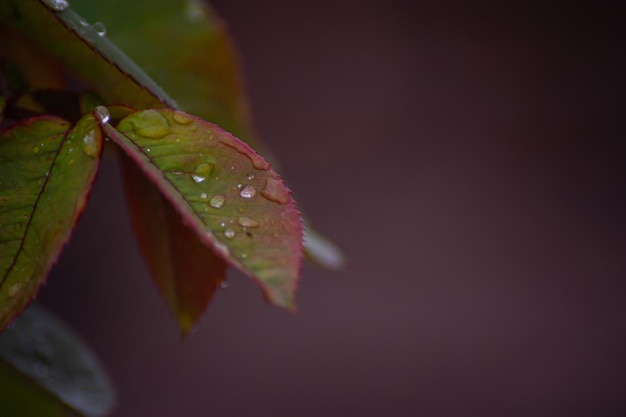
[(200, 199)]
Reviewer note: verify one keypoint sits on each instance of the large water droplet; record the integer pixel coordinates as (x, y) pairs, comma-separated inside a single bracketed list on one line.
[(182, 118), (14, 289), (248, 191), (57, 5), (102, 114), (100, 29), (229, 233), (247, 222), (217, 201), (152, 125), (90, 147), (275, 190)]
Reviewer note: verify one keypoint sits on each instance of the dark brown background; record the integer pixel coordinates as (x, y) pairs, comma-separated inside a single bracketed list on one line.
[(470, 160)]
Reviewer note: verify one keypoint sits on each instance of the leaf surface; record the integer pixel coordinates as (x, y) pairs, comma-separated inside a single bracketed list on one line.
[(45, 370), (227, 194), (184, 270), (46, 172)]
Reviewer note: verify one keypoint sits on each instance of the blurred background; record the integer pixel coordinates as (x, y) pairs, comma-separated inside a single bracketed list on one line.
[(470, 159)]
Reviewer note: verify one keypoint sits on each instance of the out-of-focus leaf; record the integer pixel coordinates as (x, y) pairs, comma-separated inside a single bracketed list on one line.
[(184, 270), (46, 172), (84, 50), (227, 194), (201, 70), (46, 371)]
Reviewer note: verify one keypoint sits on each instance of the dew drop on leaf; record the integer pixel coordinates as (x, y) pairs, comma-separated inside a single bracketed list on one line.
[(275, 191), (247, 222), (57, 5), (153, 125), (203, 196), (14, 289), (102, 114), (217, 201), (229, 233), (182, 119), (203, 170), (248, 191), (100, 29), (36, 149), (197, 178), (90, 147)]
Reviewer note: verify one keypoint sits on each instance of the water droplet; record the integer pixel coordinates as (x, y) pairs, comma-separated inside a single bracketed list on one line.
[(47, 174), (197, 178), (203, 170), (182, 118), (247, 222), (152, 125), (90, 147), (217, 201), (203, 196), (229, 233), (276, 191), (14, 289), (223, 224), (100, 29), (148, 150), (102, 114), (248, 191), (36, 149), (239, 186), (244, 255), (251, 177), (57, 5)]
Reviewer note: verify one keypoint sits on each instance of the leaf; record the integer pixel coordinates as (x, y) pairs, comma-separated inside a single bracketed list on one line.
[(201, 72), (46, 172), (81, 49), (227, 194), (184, 270), (45, 370)]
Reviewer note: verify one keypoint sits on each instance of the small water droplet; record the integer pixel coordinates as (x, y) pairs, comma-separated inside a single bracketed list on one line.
[(182, 118), (14, 289), (57, 5), (148, 150), (204, 170), (197, 178), (251, 177), (224, 284), (239, 186), (276, 191), (152, 125), (203, 196), (223, 224), (247, 222), (36, 149), (229, 233), (217, 201), (244, 255), (90, 147), (248, 191), (102, 114), (47, 174), (100, 29)]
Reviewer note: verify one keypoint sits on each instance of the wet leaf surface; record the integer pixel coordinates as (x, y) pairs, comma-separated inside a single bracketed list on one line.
[(45, 370), (46, 172), (184, 270), (227, 194)]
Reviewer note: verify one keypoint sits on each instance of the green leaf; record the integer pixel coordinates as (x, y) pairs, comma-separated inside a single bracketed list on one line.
[(79, 46), (45, 370), (227, 194), (184, 270), (46, 172)]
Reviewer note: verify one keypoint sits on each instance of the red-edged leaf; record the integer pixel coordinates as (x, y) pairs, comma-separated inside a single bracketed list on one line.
[(46, 172), (184, 270), (227, 194)]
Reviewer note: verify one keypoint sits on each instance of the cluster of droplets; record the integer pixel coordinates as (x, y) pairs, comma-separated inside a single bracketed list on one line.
[(59, 6)]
